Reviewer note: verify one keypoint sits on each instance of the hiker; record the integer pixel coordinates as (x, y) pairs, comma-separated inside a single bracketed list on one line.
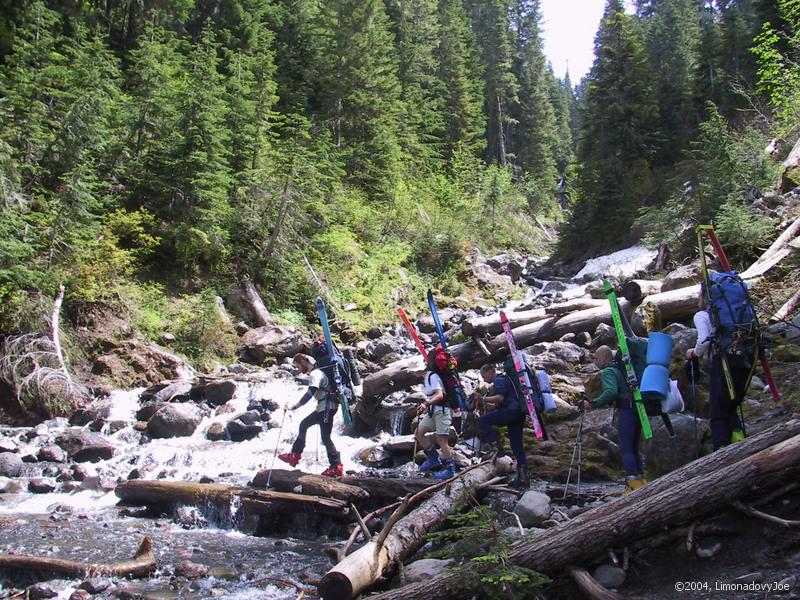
[(615, 389), (724, 423), (436, 416), (507, 410), (318, 388)]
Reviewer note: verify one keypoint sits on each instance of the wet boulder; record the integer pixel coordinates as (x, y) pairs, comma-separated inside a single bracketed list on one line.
[(218, 393), (382, 347), (7, 445), (609, 576), (191, 570), (41, 485), (95, 585), (10, 465), (174, 420), (272, 341), (376, 457), (98, 410), (167, 391), (85, 446), (51, 454), (533, 508), (664, 454), (216, 432), (244, 426), (131, 363)]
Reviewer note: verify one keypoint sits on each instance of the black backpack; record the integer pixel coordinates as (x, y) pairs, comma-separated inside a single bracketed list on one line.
[(510, 371), (326, 364)]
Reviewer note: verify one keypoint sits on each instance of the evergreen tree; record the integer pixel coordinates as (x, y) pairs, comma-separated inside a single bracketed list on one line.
[(561, 99), (459, 72), (618, 138)]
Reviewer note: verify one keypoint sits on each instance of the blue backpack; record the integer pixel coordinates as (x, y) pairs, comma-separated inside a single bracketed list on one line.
[(733, 315)]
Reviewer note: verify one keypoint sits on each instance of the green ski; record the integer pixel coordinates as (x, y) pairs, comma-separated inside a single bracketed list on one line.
[(626, 358)]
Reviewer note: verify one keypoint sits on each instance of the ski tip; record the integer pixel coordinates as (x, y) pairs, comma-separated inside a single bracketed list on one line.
[(319, 300)]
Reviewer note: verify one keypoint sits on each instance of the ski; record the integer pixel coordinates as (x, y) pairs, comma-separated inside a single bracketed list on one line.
[(459, 389), (338, 382), (708, 231), (413, 333), (524, 380), (630, 374)]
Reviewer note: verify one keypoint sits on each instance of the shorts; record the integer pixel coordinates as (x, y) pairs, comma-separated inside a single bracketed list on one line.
[(438, 419)]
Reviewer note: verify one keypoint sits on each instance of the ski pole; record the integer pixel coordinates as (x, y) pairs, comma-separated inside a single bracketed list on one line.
[(692, 376), (275, 455), (572, 460)]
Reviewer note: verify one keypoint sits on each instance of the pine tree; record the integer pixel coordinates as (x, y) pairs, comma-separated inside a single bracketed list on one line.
[(459, 72), (561, 99), (617, 143)]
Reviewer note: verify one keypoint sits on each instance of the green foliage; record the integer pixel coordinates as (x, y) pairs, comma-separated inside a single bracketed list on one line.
[(742, 230), (477, 540), (201, 334)]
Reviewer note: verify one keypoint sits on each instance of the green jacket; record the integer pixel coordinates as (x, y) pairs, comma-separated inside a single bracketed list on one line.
[(615, 388)]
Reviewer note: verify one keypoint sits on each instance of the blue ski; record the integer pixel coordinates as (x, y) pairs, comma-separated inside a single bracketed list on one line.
[(338, 381), (459, 389)]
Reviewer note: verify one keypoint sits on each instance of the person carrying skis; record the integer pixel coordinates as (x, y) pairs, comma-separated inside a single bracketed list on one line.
[(436, 416), (318, 387), (508, 411), (629, 428), (724, 423)]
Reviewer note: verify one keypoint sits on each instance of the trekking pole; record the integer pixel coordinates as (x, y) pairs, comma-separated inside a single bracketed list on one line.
[(277, 443), (575, 447), (692, 376)]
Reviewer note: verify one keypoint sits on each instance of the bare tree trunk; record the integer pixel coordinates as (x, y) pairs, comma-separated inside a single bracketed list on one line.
[(787, 309), (702, 487), (54, 324), (252, 298), (283, 210)]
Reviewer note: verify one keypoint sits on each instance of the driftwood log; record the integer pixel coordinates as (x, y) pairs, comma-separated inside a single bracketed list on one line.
[(141, 565), (490, 324), (697, 489), (175, 493), (375, 559), (404, 373), (284, 480)]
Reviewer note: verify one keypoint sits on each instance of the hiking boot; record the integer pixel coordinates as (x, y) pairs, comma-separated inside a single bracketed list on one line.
[(447, 472), (334, 471), (290, 457), (433, 461), (522, 480), (634, 483), (737, 435)]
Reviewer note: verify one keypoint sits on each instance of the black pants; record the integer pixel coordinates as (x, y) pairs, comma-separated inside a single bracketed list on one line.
[(724, 419), (325, 421)]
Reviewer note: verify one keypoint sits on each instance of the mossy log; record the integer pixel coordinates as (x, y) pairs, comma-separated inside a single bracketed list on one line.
[(141, 565), (377, 558), (176, 493), (697, 489)]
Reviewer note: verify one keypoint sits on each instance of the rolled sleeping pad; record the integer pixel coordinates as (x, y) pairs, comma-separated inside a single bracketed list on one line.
[(659, 349), (655, 383), (547, 393)]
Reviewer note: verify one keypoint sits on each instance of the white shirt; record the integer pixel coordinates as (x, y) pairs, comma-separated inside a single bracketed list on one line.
[(433, 383), (319, 380), (705, 332)]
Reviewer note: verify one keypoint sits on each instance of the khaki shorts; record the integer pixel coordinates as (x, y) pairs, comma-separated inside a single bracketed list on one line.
[(437, 420)]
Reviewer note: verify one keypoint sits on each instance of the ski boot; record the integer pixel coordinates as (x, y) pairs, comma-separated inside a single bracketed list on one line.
[(433, 461), (290, 457), (334, 471), (634, 483), (447, 472), (522, 480)]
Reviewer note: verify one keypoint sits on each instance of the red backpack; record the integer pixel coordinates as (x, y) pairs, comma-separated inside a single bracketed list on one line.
[(445, 365)]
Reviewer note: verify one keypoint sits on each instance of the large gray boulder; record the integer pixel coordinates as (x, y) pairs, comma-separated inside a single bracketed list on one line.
[(682, 277), (244, 426), (423, 570), (10, 465), (272, 341), (85, 446), (533, 508), (664, 454), (174, 420), (131, 363)]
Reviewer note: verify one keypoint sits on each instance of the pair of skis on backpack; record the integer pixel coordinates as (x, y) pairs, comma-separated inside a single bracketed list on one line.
[(529, 386)]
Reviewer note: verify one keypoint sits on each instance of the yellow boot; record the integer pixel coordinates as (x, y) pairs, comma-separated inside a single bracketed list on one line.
[(634, 483), (737, 435)]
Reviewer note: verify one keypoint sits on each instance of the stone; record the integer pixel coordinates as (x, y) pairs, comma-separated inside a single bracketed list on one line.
[(609, 576), (80, 595), (41, 485), (423, 570), (40, 591), (9, 486), (272, 341), (400, 444), (175, 391), (85, 446), (533, 508), (682, 277), (218, 393), (755, 577), (382, 347), (132, 363), (216, 432), (244, 426), (189, 517), (191, 570), (95, 585), (7, 445), (604, 335), (173, 420), (51, 454), (10, 465), (376, 457), (99, 410)]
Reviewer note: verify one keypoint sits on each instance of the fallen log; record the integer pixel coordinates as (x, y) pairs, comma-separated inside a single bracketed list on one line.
[(785, 311), (409, 371), (176, 493), (695, 490), (284, 480), (590, 586), (634, 290), (781, 241), (375, 559), (141, 565), (573, 305), (490, 324), (254, 303)]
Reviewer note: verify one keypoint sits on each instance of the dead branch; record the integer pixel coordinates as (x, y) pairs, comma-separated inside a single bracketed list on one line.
[(590, 586), (749, 510)]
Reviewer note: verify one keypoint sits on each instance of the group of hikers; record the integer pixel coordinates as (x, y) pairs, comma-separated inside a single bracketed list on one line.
[(503, 403)]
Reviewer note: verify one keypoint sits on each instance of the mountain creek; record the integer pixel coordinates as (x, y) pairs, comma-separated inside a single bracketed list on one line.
[(66, 484)]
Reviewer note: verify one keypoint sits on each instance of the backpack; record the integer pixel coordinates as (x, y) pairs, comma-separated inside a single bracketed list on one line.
[(329, 365), (734, 317), (510, 371), (445, 365), (637, 347)]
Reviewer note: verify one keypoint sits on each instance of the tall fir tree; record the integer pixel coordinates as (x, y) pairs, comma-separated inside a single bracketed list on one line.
[(618, 140)]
